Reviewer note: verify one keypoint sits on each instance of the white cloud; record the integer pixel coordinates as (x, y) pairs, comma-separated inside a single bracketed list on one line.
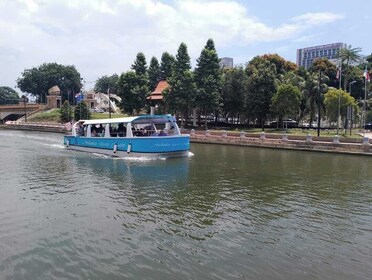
[(317, 18), (102, 37)]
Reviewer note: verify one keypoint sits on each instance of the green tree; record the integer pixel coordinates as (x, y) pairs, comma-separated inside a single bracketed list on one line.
[(328, 68), (286, 101), (313, 89), (154, 73), (140, 65), (234, 83), (331, 101), (282, 65), (66, 112), (261, 87), (133, 86), (208, 78), (348, 56), (81, 112), (166, 66), (8, 96), (38, 80), (107, 82), (133, 91), (179, 95)]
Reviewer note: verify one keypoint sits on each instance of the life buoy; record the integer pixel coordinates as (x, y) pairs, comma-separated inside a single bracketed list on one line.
[(129, 148), (115, 148)]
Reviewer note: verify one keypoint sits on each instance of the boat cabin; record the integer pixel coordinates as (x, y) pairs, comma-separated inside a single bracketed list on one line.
[(139, 126)]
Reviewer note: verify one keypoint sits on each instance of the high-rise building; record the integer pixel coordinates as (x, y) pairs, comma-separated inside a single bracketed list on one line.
[(306, 56), (226, 62)]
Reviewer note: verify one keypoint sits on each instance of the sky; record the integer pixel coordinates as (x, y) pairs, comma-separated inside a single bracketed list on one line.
[(102, 37)]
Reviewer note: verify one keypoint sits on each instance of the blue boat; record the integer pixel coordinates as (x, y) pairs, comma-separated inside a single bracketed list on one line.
[(149, 135)]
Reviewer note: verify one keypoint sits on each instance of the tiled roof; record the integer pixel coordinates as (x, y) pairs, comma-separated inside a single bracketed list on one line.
[(157, 93)]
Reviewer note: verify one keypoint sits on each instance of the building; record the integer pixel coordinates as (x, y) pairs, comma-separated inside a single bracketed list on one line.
[(306, 56), (226, 62)]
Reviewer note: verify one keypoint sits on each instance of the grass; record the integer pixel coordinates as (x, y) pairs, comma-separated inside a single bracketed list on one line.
[(46, 116), (54, 116), (302, 132)]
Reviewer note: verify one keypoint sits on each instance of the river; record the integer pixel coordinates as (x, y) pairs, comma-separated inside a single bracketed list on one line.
[(223, 213)]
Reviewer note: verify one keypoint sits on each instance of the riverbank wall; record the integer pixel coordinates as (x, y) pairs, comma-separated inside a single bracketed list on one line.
[(303, 143), (43, 127), (329, 144)]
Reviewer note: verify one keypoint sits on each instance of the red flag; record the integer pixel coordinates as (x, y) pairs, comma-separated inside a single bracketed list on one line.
[(338, 73), (366, 75)]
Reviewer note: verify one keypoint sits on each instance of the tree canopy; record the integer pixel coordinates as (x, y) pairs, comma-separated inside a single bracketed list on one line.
[(8, 96), (154, 73), (107, 82), (166, 66), (208, 78), (38, 80)]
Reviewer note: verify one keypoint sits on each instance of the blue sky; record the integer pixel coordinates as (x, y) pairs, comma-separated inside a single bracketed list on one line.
[(103, 37)]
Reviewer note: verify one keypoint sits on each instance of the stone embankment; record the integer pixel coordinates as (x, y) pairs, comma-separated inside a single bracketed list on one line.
[(304, 143), (44, 127)]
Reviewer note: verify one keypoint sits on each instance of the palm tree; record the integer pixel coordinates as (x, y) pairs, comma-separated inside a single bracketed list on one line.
[(348, 56), (312, 94)]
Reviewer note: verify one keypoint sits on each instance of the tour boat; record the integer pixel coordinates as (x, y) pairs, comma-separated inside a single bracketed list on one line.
[(150, 135)]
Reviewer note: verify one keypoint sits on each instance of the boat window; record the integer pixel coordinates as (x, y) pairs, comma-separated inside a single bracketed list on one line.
[(118, 130)]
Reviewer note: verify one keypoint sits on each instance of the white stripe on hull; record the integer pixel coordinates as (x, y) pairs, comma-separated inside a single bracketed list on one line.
[(123, 154)]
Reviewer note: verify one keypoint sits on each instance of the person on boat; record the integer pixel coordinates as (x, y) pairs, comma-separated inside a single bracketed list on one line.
[(100, 130), (94, 133), (81, 130), (121, 130), (162, 133)]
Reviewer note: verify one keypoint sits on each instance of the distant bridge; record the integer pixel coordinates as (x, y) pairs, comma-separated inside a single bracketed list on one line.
[(16, 111)]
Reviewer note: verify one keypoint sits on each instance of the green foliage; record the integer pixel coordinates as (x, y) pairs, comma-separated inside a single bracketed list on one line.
[(140, 65), (328, 69), (107, 82), (166, 66), (133, 86), (132, 89), (331, 101), (38, 80), (282, 65), (234, 87), (348, 56), (81, 112), (208, 78), (261, 87), (313, 88), (8, 96), (66, 112), (286, 101), (179, 96), (53, 115), (154, 73)]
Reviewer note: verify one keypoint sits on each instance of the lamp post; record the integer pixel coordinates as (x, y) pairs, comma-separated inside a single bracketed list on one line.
[(339, 98), (350, 109), (109, 103)]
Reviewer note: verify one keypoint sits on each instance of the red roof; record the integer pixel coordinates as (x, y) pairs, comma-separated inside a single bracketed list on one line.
[(157, 93)]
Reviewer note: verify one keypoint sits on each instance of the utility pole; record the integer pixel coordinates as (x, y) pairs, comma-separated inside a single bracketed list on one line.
[(109, 102), (319, 99)]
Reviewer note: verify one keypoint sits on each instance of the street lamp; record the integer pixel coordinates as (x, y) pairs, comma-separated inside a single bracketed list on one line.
[(350, 109), (109, 103), (350, 84)]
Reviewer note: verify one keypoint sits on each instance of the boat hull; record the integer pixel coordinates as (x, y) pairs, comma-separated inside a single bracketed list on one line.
[(167, 146)]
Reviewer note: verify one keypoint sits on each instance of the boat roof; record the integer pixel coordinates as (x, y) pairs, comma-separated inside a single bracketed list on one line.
[(137, 119)]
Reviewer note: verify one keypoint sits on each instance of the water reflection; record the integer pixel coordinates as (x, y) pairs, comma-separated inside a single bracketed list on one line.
[(226, 213)]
